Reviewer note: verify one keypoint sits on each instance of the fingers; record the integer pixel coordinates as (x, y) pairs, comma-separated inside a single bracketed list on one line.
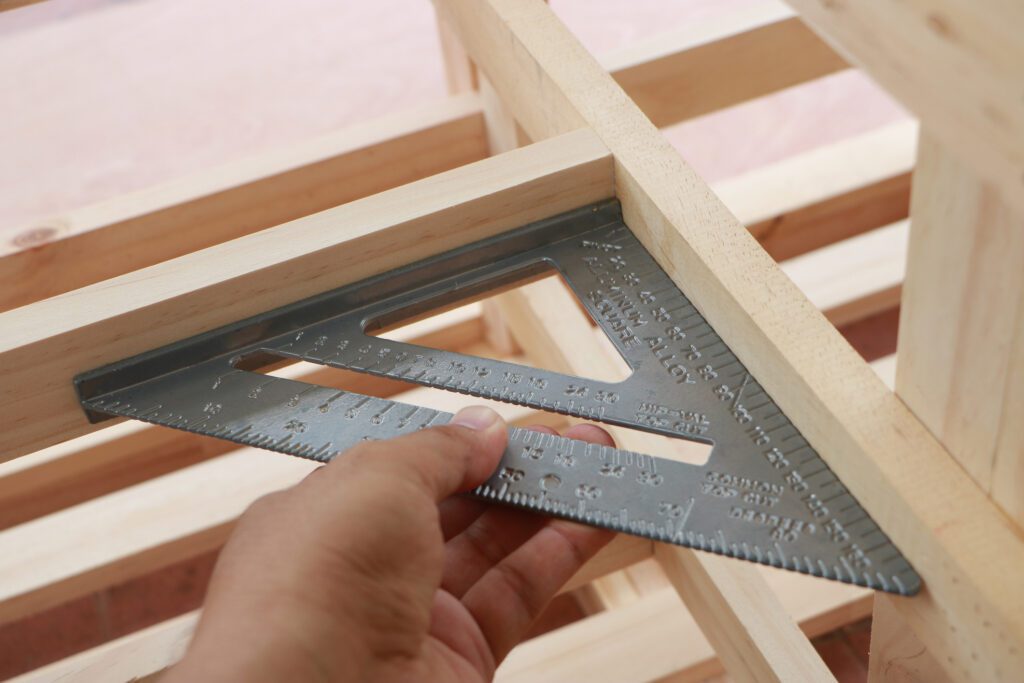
[(510, 597), (507, 569), (490, 539), (457, 513), (440, 461), (485, 540), (590, 433)]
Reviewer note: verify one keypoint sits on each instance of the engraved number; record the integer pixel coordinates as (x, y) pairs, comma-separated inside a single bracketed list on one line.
[(609, 470), (511, 474), (672, 510), (649, 478)]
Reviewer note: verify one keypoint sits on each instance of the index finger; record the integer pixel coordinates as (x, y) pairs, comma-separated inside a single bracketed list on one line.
[(441, 460)]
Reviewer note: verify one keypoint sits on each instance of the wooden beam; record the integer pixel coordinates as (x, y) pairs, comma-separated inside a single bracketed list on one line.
[(855, 278), (887, 458), (459, 73), (722, 61), (897, 656), (656, 639), (131, 658), (45, 345), (961, 367), (14, 4), (830, 193), (98, 544), (94, 243), (957, 65), (962, 324), (754, 637)]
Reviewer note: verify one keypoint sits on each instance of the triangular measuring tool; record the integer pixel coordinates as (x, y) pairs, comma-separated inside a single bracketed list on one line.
[(764, 495)]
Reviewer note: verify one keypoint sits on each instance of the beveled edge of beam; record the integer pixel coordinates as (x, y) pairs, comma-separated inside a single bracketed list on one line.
[(46, 344)]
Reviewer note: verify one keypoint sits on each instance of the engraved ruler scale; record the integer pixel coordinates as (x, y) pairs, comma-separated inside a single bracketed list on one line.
[(764, 494)]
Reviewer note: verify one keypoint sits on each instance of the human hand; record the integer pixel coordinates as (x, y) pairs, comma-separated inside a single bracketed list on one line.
[(370, 570)]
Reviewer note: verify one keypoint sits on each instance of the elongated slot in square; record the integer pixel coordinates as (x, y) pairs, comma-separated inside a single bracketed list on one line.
[(405, 325)]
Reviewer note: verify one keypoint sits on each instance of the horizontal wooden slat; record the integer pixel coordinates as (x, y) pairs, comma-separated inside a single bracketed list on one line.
[(132, 658), (45, 345), (14, 4), (655, 637), (855, 278), (721, 61), (818, 197), (94, 243)]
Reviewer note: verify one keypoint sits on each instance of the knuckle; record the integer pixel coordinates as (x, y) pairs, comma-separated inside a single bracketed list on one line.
[(578, 555), (359, 453), (518, 583), (265, 504), (362, 458), (484, 544), (452, 438), (263, 509)]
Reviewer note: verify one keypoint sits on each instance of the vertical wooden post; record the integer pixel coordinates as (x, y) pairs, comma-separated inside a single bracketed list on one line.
[(897, 656), (459, 71), (961, 346), (961, 357), (502, 135)]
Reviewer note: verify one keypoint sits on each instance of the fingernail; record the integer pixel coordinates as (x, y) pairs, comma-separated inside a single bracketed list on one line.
[(475, 417)]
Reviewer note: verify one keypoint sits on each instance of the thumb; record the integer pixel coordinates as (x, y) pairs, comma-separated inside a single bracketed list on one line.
[(442, 460)]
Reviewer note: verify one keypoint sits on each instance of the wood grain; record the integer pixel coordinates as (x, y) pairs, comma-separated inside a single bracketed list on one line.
[(962, 323)]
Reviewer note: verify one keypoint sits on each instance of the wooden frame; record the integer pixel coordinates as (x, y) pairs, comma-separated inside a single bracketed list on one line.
[(939, 464)]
